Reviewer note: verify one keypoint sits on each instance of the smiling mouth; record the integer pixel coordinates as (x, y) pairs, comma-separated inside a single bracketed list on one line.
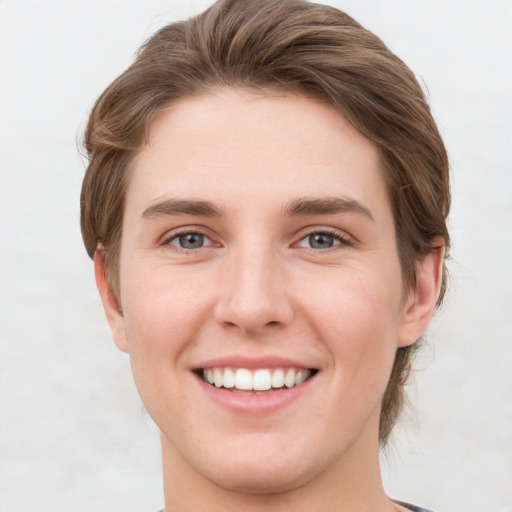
[(243, 380)]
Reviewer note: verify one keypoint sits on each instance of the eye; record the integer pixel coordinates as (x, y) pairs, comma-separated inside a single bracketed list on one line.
[(323, 240), (189, 241)]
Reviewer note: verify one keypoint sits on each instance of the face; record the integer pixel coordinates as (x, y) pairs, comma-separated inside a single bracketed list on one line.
[(261, 289)]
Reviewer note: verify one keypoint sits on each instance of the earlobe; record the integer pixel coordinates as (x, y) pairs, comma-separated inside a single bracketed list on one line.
[(421, 302), (110, 302)]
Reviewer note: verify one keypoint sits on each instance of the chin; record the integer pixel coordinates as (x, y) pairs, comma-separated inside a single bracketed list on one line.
[(266, 470), (259, 480)]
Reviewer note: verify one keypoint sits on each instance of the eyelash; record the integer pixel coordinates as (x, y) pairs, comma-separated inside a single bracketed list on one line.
[(175, 236), (343, 239)]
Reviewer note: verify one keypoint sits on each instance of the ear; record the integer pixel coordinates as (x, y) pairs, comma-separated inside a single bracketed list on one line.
[(421, 301), (110, 303)]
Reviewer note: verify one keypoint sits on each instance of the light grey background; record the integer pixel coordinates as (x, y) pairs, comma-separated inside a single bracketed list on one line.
[(73, 434)]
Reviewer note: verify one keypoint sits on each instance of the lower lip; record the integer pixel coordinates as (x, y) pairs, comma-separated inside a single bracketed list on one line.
[(246, 403)]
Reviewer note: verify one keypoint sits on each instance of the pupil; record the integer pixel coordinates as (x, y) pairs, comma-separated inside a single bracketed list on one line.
[(321, 241), (191, 241)]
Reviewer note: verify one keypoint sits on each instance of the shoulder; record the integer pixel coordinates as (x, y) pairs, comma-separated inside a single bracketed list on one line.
[(413, 508)]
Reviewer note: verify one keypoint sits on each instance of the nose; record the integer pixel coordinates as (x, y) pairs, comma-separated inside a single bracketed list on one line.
[(252, 295)]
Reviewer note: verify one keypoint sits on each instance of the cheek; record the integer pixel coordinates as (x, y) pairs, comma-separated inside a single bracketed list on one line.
[(163, 315), (163, 309), (357, 316)]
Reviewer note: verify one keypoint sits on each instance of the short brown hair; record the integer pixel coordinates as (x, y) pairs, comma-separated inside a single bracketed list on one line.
[(277, 45)]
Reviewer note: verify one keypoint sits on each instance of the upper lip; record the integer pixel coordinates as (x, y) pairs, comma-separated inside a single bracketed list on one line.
[(270, 361)]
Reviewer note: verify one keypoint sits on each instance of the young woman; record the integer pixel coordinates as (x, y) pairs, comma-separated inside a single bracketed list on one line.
[(266, 206)]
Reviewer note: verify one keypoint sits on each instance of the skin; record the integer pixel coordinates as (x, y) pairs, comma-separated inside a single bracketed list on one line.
[(257, 288)]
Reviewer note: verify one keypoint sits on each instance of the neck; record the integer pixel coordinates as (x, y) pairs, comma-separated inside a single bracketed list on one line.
[(351, 484)]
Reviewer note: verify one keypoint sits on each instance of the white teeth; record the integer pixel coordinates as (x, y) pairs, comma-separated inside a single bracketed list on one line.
[(261, 380), (217, 378), (229, 378), (301, 376), (289, 380), (243, 379), (256, 380), (278, 379)]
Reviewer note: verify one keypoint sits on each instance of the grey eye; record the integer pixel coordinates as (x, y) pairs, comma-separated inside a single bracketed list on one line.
[(321, 241), (190, 241)]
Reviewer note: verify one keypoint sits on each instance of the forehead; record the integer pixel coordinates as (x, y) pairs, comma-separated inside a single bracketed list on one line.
[(231, 145)]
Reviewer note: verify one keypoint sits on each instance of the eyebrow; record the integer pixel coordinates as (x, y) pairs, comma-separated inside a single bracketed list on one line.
[(182, 207), (300, 207), (304, 206)]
